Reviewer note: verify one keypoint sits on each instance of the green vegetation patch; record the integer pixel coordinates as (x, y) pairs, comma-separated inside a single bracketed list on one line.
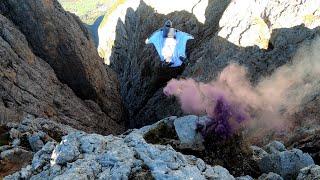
[(87, 10)]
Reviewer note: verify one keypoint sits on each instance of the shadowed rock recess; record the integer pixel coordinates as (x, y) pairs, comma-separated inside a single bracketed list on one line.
[(49, 67)]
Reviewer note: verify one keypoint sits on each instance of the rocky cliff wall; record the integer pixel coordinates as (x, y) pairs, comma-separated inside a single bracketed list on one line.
[(50, 68)]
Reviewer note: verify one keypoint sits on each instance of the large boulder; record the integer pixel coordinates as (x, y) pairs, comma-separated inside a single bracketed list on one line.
[(60, 39), (186, 128)]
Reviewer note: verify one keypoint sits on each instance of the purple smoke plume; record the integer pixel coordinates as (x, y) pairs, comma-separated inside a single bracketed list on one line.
[(215, 99), (219, 121)]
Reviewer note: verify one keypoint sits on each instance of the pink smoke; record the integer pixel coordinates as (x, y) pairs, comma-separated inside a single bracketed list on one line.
[(199, 98), (267, 105)]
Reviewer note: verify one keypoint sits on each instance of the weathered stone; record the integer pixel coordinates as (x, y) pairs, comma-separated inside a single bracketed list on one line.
[(275, 147), (26, 172), (285, 163), (42, 157), (29, 85), (16, 142), (92, 143), (105, 175), (307, 138), (218, 172), (247, 177), (14, 176), (35, 142), (258, 153), (201, 165), (81, 169), (5, 147), (186, 128), (14, 133), (270, 176), (309, 173), (67, 150)]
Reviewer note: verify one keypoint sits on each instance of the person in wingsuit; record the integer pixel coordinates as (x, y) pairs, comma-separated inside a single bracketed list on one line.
[(170, 44)]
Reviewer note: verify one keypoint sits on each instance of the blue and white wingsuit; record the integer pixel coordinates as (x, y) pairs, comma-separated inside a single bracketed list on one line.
[(170, 44)]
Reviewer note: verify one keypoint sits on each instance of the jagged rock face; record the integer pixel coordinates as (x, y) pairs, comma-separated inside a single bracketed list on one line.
[(251, 22), (64, 43), (29, 85), (137, 66)]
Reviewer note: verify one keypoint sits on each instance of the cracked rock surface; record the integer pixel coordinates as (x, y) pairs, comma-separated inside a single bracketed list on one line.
[(81, 155)]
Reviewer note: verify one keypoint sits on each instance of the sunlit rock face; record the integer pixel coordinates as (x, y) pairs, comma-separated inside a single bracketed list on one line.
[(196, 7), (249, 23)]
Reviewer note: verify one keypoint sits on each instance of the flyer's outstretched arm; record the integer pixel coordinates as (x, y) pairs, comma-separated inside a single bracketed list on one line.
[(157, 40), (182, 39)]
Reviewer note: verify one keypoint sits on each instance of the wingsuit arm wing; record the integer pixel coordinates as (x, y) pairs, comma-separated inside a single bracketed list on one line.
[(157, 40), (182, 39)]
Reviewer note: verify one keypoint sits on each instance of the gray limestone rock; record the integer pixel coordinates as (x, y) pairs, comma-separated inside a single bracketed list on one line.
[(35, 142), (186, 128), (275, 147), (43, 156), (218, 173), (309, 173), (247, 177), (67, 150), (286, 163), (270, 176)]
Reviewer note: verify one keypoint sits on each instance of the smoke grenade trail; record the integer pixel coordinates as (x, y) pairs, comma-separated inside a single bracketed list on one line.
[(231, 99)]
